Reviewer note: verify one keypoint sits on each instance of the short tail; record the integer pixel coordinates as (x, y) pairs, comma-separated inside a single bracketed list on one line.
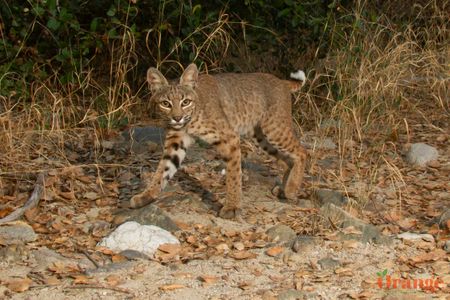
[(300, 78)]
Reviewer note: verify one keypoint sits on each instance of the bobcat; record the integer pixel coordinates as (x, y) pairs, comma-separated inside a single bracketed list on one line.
[(218, 109)]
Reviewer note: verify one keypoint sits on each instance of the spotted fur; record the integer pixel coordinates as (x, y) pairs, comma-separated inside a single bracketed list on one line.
[(219, 109)]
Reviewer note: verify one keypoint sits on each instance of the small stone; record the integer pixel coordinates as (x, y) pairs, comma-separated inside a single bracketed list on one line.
[(303, 244), (329, 263), (17, 232), (281, 233), (420, 154), (93, 213), (325, 196), (147, 215), (415, 236), (447, 246), (133, 255), (134, 236)]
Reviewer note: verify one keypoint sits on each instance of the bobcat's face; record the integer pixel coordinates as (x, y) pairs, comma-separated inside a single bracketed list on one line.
[(176, 103)]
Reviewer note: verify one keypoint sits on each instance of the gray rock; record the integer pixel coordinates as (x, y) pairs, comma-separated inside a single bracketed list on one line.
[(340, 216), (281, 233), (16, 233), (149, 215), (304, 243), (133, 254), (325, 196), (343, 219), (134, 236), (416, 236), (329, 263), (295, 295), (447, 246), (420, 154)]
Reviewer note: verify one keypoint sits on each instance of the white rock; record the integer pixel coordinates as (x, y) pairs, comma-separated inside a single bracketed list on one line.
[(420, 154), (416, 236), (134, 236)]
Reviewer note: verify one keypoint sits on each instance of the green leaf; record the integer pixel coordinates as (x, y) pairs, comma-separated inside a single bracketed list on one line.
[(111, 12), (53, 24), (94, 24)]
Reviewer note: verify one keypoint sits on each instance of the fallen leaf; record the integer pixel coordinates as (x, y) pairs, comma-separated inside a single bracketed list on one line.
[(245, 285), (170, 248), (113, 280), (242, 255), (274, 251), (118, 258), (344, 271), (19, 285), (80, 279), (171, 287), (52, 281), (429, 256), (182, 275), (208, 279)]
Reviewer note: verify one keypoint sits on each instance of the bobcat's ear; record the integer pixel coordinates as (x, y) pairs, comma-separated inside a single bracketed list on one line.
[(156, 80), (190, 76)]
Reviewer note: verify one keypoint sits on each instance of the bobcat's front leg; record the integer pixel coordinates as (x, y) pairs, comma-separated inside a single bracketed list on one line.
[(174, 153), (229, 149)]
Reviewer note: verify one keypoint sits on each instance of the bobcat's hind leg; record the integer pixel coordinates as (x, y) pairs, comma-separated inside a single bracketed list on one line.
[(175, 146), (281, 142)]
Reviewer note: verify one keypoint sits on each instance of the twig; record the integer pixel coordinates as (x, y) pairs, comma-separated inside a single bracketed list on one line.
[(90, 258), (91, 286), (31, 202)]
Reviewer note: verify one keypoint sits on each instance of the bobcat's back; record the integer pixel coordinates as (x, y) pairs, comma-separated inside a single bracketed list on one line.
[(242, 99)]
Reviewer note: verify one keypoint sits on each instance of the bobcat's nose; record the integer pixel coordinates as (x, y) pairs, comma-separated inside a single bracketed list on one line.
[(177, 118)]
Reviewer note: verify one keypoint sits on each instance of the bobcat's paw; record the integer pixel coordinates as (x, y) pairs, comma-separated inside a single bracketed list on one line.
[(141, 200), (229, 212)]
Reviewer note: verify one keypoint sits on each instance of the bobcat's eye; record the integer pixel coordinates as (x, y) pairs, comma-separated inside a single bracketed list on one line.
[(186, 102), (166, 104)]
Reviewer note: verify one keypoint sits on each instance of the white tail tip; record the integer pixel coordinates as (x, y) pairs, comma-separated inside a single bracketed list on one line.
[(299, 75)]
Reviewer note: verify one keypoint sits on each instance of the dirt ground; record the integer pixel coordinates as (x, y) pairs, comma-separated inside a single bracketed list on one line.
[(237, 259)]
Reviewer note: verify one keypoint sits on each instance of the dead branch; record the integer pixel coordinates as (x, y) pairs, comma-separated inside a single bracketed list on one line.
[(33, 201)]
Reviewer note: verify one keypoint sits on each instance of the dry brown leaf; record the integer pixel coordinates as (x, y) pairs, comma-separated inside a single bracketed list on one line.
[(434, 255), (242, 254), (113, 280), (351, 244), (171, 287), (182, 225), (57, 267), (118, 258), (105, 250), (52, 281), (19, 285), (191, 239), (80, 279), (274, 251), (170, 248), (209, 279), (407, 223), (344, 271), (245, 285), (182, 275)]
